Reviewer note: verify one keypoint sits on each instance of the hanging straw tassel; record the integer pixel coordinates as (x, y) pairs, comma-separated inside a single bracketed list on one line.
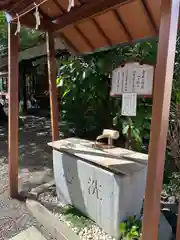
[(18, 25), (37, 16), (71, 4)]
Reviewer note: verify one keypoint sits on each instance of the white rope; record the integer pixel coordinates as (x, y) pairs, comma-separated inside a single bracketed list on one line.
[(18, 25), (37, 16), (71, 4), (29, 10)]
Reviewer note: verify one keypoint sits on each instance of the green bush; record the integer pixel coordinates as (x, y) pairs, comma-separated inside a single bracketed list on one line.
[(85, 83), (131, 228)]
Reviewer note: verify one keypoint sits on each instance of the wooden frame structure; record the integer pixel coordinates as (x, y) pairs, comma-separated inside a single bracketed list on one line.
[(90, 25)]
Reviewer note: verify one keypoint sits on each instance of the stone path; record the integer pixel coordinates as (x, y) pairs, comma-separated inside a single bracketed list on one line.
[(35, 168)]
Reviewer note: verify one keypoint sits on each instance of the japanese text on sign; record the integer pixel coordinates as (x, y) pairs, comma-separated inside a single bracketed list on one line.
[(133, 78)]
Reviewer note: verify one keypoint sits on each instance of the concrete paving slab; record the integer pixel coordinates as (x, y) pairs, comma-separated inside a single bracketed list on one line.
[(29, 234)]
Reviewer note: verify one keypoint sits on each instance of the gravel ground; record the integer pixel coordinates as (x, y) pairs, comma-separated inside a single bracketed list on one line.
[(14, 216), (35, 168), (85, 228)]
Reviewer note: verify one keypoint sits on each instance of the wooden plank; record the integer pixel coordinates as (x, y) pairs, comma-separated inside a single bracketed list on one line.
[(113, 160), (54, 226), (149, 15), (78, 43), (5, 3), (160, 116), (29, 21), (13, 75), (85, 11), (125, 29), (29, 234), (51, 58), (75, 15), (136, 20), (69, 46), (88, 42), (59, 6)]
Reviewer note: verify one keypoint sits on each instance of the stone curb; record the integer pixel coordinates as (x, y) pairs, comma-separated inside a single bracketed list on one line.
[(54, 226)]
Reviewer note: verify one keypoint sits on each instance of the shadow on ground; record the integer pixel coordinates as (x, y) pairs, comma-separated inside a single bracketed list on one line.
[(34, 134), (35, 168), (35, 157)]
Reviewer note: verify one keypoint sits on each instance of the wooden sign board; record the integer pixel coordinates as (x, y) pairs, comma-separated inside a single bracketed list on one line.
[(133, 78)]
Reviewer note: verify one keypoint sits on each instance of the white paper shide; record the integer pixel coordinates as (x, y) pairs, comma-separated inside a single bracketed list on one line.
[(129, 104)]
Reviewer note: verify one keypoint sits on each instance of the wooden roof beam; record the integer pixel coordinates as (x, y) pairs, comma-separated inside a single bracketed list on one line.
[(59, 6), (102, 33), (125, 29), (87, 10), (44, 15), (85, 38), (5, 3), (150, 17), (29, 21), (69, 45)]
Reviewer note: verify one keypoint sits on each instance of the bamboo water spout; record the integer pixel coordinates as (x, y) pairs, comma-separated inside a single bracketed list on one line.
[(110, 135)]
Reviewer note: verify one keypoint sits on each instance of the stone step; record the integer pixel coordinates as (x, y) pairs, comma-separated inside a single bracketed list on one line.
[(29, 234)]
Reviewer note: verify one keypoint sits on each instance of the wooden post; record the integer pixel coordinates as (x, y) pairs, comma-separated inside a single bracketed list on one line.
[(51, 58), (160, 116), (13, 116)]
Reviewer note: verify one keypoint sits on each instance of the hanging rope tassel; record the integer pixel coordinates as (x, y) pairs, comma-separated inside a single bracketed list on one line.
[(37, 16), (18, 25), (71, 4)]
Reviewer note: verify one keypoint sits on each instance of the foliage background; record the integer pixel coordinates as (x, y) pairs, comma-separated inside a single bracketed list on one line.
[(85, 87)]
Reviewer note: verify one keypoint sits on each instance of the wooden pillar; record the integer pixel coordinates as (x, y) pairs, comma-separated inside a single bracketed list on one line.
[(51, 58), (13, 115), (160, 116)]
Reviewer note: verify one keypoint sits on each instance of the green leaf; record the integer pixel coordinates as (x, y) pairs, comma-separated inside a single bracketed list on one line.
[(59, 81), (134, 231), (123, 228), (136, 135), (84, 74), (65, 93), (125, 130), (115, 120)]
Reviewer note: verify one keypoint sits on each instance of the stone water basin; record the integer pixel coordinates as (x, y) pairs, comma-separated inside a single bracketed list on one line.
[(106, 185)]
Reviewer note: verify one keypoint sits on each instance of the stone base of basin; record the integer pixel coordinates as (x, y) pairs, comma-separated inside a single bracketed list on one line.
[(98, 188)]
